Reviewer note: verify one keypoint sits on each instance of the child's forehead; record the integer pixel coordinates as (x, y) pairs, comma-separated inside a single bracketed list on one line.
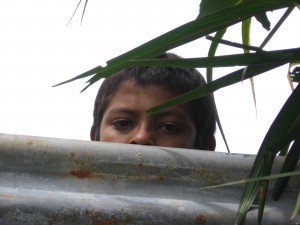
[(135, 84), (139, 97), (150, 95)]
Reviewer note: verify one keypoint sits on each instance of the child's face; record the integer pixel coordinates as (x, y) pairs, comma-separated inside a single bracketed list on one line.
[(126, 121)]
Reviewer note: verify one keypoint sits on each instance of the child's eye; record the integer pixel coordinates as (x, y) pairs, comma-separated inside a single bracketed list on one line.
[(122, 124), (170, 128)]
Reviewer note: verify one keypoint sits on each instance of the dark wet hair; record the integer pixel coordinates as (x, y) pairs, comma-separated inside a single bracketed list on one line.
[(176, 80)]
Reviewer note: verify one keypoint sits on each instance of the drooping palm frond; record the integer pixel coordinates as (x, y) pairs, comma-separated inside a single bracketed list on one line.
[(186, 33)]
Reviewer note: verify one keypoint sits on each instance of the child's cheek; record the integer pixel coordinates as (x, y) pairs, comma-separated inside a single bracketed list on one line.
[(111, 135)]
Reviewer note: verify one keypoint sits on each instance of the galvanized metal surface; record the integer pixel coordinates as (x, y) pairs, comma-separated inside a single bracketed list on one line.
[(56, 181)]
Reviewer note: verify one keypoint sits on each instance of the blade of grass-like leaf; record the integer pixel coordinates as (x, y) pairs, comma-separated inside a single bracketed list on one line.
[(203, 26), (212, 52), (291, 159), (289, 164), (285, 120), (222, 82), (233, 44), (297, 207), (273, 31), (246, 24), (284, 150), (84, 8), (209, 77), (286, 139), (250, 192), (104, 73), (210, 6), (263, 185), (240, 59), (220, 61), (254, 179), (220, 125), (257, 58), (246, 38), (296, 124), (277, 26), (107, 71), (281, 125), (263, 19), (294, 134), (83, 75), (192, 31), (74, 12)]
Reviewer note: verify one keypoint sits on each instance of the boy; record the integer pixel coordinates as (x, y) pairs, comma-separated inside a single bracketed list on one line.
[(120, 111)]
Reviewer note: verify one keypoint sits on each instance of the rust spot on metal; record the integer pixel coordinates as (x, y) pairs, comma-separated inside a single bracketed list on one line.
[(97, 214), (200, 219), (105, 222), (161, 178), (126, 218), (8, 196), (76, 161), (112, 220), (82, 173), (211, 176)]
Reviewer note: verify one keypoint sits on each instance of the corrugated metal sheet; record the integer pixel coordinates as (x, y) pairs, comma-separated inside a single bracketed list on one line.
[(56, 181)]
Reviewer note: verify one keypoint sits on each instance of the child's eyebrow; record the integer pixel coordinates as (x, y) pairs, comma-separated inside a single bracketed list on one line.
[(171, 112), (162, 113), (123, 110)]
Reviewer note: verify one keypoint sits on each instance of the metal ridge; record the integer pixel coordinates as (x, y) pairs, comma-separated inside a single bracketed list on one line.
[(62, 181)]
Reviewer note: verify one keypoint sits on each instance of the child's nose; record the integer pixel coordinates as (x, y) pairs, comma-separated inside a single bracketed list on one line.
[(143, 136)]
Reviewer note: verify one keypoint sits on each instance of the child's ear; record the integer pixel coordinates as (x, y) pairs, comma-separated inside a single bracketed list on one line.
[(93, 134)]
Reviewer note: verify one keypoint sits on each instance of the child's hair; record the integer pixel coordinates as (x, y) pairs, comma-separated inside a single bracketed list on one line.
[(176, 80)]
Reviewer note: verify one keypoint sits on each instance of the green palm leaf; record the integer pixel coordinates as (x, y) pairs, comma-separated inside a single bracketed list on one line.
[(222, 82), (297, 208), (209, 77), (254, 179), (262, 165), (290, 163), (185, 34)]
